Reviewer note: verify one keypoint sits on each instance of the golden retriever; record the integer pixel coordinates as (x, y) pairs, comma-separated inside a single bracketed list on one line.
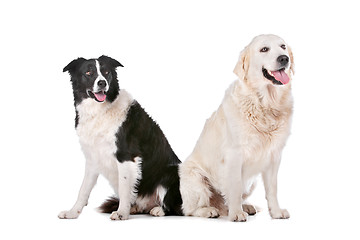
[(244, 137)]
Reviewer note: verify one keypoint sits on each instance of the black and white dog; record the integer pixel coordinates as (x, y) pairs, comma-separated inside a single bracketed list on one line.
[(121, 142)]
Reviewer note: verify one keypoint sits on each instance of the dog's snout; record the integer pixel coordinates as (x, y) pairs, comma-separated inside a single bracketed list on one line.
[(283, 60), (102, 83)]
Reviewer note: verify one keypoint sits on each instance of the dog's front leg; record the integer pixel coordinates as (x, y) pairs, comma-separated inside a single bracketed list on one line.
[(127, 176), (235, 186), (270, 184), (87, 185)]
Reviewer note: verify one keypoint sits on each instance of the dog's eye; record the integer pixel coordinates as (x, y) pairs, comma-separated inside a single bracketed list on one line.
[(88, 73), (107, 72), (264, 49), (283, 46)]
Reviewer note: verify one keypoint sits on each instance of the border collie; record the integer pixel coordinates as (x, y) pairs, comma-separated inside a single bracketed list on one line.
[(121, 142)]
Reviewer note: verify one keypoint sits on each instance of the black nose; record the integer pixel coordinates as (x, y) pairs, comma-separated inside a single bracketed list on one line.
[(102, 83), (283, 60)]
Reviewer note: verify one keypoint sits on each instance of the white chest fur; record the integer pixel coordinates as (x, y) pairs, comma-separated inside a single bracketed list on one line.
[(97, 128), (258, 129)]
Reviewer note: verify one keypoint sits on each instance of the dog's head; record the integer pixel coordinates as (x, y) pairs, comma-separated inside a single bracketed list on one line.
[(266, 60), (94, 78)]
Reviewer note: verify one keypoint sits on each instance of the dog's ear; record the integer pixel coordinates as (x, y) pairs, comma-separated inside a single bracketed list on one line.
[(242, 65), (112, 62), (292, 66), (73, 65)]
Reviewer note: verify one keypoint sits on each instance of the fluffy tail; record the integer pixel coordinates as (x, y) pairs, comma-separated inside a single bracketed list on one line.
[(110, 205)]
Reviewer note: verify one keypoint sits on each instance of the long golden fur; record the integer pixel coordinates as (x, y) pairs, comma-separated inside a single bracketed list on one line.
[(244, 137)]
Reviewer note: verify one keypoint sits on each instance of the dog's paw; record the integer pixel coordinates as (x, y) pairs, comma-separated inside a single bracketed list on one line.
[(69, 214), (157, 212), (279, 213), (206, 212), (239, 216), (249, 209), (118, 216)]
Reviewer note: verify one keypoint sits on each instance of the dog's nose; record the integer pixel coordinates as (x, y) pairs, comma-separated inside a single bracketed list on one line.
[(102, 83), (283, 60)]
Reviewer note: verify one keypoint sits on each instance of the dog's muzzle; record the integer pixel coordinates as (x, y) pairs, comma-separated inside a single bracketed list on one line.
[(278, 77), (99, 90)]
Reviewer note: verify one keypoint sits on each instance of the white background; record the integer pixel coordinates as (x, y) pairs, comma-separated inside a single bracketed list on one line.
[(178, 58)]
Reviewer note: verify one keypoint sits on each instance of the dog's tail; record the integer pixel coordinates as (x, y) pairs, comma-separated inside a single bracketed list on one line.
[(110, 205)]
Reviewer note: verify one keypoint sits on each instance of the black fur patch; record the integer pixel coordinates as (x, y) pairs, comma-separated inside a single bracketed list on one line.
[(81, 82), (140, 136), (110, 205)]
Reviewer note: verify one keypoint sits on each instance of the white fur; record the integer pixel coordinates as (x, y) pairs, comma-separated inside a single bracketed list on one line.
[(98, 124), (99, 77), (128, 175), (160, 194), (242, 139), (157, 211), (146, 204)]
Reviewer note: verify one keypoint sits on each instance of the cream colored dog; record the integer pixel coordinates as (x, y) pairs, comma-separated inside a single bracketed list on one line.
[(244, 137)]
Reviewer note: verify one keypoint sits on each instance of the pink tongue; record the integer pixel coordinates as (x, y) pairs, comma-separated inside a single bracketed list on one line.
[(281, 76), (100, 96)]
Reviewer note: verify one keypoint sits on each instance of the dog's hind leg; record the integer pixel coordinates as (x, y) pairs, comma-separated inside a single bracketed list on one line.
[(171, 198), (247, 207), (158, 209), (195, 192)]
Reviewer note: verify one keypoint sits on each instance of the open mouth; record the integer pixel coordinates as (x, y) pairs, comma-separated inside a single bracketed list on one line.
[(278, 77), (98, 96)]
